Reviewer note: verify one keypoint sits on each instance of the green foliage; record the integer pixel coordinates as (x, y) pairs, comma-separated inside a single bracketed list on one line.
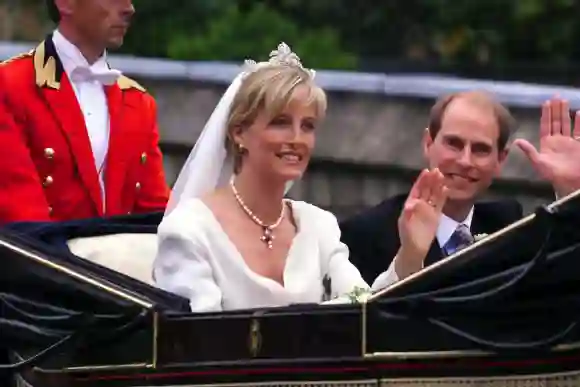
[(505, 30), (467, 31), (156, 24), (344, 33), (237, 34)]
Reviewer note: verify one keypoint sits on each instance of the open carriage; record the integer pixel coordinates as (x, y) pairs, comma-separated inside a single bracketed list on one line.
[(503, 312)]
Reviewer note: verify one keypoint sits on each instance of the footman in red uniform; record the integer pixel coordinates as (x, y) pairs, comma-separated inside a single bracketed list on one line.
[(77, 139)]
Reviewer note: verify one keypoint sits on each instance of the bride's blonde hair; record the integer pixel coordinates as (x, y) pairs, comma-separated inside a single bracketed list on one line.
[(269, 90)]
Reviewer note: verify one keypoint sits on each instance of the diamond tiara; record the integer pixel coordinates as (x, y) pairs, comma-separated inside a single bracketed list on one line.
[(283, 56)]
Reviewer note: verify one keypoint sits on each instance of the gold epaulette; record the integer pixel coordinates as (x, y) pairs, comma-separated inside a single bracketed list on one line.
[(126, 83), (19, 56)]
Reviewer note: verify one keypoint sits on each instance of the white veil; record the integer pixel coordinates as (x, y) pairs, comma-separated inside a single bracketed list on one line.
[(209, 166)]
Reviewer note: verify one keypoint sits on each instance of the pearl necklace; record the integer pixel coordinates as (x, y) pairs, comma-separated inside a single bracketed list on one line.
[(267, 230)]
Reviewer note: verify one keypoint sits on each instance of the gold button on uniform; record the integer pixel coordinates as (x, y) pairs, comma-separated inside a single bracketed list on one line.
[(138, 186), (49, 210), (48, 180), (143, 158), (48, 153)]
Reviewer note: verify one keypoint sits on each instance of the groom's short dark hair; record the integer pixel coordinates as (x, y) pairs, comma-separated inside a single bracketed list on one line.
[(504, 118)]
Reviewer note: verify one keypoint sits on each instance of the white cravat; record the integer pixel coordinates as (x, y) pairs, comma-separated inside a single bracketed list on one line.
[(87, 82), (87, 74)]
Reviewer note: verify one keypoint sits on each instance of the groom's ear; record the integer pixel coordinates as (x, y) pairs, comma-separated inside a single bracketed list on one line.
[(503, 154)]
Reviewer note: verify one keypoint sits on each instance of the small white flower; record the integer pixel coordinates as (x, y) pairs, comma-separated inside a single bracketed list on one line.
[(478, 237), (358, 295)]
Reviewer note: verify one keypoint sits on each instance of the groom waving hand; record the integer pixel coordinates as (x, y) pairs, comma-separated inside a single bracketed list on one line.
[(557, 159)]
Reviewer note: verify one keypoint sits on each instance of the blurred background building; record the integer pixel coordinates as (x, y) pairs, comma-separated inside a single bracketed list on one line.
[(382, 61)]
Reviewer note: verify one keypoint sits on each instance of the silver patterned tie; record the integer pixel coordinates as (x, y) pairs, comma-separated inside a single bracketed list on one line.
[(460, 239)]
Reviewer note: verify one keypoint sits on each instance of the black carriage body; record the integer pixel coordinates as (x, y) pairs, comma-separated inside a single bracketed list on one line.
[(503, 310)]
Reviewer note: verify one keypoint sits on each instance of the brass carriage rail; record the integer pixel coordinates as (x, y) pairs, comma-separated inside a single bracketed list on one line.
[(450, 354), (75, 369), (363, 339), (91, 281), (155, 349)]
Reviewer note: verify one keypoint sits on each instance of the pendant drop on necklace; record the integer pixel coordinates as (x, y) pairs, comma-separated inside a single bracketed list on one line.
[(267, 237), (267, 230)]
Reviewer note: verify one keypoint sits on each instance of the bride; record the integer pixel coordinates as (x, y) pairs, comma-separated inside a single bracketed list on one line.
[(229, 238)]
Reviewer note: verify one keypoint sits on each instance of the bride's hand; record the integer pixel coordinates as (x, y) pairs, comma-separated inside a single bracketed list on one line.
[(420, 218)]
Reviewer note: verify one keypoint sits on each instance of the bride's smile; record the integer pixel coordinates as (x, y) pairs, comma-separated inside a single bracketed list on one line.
[(279, 144)]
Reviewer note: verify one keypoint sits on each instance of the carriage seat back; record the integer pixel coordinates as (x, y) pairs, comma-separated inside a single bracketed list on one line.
[(129, 254)]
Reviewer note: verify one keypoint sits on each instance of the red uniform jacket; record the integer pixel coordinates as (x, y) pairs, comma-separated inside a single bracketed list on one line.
[(47, 169)]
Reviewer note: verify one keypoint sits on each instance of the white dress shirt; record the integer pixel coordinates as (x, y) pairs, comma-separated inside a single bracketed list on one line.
[(91, 98), (446, 228)]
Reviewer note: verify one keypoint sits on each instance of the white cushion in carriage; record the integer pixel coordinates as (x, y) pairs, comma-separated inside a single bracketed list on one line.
[(130, 254)]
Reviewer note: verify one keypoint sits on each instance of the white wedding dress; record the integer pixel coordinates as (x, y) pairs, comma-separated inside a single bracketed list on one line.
[(197, 260)]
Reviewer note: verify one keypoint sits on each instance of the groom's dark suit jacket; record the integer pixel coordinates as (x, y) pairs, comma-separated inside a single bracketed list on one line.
[(373, 238)]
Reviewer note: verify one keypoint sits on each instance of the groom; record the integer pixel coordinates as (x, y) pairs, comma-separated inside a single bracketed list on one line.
[(467, 140)]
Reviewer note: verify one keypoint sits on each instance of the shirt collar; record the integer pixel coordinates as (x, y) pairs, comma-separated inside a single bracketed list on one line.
[(447, 227), (71, 57)]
